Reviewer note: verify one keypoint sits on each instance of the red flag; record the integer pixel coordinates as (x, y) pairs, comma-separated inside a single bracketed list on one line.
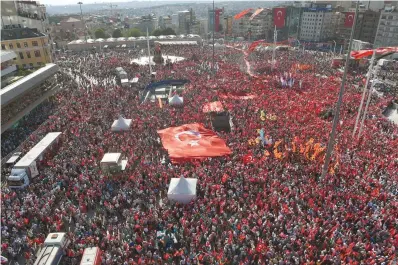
[(379, 51), (225, 178), (213, 107), (243, 13), (254, 45), (192, 141), (279, 17), (237, 95), (349, 19), (248, 158)]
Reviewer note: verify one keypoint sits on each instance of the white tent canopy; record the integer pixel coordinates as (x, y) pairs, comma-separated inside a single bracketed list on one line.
[(121, 124), (182, 190), (176, 101)]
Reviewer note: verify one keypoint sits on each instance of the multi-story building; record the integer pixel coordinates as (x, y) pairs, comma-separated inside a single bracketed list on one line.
[(387, 30), (31, 46), (316, 24), (187, 21), (257, 27), (204, 26), (166, 22), (227, 22), (29, 14), (143, 23), (214, 18)]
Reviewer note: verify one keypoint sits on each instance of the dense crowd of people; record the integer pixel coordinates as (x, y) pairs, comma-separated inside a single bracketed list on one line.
[(271, 209)]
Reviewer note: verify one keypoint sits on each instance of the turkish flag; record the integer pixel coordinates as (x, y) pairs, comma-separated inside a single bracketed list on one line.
[(192, 141), (279, 17), (349, 19), (248, 158)]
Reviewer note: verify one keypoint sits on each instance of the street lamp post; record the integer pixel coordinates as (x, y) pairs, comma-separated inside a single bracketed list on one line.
[(81, 17), (334, 50), (339, 102), (214, 27)]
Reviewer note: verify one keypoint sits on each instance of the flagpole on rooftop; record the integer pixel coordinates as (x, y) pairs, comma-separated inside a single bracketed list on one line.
[(339, 101), (149, 53)]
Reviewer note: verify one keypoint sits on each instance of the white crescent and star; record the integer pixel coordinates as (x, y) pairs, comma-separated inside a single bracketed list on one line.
[(352, 17), (192, 142), (279, 16)]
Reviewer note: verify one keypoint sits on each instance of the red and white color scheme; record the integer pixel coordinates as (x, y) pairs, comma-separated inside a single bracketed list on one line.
[(379, 51), (215, 106), (349, 19), (91, 256), (192, 141), (279, 17)]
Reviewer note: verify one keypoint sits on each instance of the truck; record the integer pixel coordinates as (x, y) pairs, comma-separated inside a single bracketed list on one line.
[(53, 249), (28, 166), (91, 256)]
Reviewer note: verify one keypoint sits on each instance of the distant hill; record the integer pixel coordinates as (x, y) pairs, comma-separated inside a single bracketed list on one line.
[(74, 9)]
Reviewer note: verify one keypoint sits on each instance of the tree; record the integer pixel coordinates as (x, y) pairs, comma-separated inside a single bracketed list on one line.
[(135, 32), (117, 33), (100, 33), (167, 31)]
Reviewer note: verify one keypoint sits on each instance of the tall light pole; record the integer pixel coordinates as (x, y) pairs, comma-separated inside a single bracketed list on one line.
[(339, 101), (214, 27), (81, 17)]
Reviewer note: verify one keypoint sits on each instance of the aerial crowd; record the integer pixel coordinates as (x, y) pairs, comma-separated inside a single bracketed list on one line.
[(266, 203)]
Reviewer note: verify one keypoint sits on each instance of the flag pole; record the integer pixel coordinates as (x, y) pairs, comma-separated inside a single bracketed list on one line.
[(149, 53), (273, 52), (339, 101), (370, 71), (214, 26), (367, 104)]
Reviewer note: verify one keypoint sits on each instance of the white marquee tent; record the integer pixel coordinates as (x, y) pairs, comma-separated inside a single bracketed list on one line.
[(121, 124), (176, 101), (182, 190)]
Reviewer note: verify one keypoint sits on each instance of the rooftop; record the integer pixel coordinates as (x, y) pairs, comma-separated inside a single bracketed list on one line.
[(7, 55), (20, 33), (71, 19)]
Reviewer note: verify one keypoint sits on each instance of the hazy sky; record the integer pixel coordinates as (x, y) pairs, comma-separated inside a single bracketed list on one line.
[(73, 2)]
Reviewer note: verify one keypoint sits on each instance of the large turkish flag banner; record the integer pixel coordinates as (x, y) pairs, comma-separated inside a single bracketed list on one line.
[(192, 141), (279, 17), (349, 19)]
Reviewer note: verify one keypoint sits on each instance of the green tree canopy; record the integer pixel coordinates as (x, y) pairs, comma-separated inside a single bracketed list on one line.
[(117, 33), (100, 33), (134, 32), (167, 31)]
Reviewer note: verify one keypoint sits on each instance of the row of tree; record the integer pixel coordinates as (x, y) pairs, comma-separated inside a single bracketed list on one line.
[(134, 32)]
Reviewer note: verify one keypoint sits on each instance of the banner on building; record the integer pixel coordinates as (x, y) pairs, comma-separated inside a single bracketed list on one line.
[(279, 17), (243, 13), (349, 19), (258, 11)]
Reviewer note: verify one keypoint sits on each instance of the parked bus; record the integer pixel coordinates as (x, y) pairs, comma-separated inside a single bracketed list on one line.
[(53, 249), (91, 256), (28, 166)]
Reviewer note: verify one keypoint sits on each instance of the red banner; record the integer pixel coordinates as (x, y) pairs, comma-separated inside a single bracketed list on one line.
[(349, 19), (237, 95), (279, 17), (192, 141), (243, 13), (379, 51), (217, 14), (258, 11)]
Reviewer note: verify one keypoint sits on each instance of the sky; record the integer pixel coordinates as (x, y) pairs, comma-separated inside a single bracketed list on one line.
[(73, 2)]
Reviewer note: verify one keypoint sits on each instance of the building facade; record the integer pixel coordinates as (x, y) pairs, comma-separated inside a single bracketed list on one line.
[(257, 27), (365, 26), (29, 14), (187, 23), (214, 18), (316, 24), (387, 30), (31, 46)]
